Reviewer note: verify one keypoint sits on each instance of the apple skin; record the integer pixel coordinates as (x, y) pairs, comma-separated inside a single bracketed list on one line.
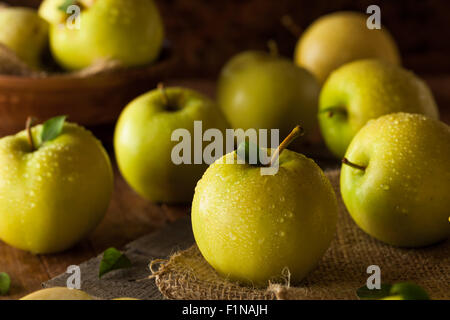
[(50, 12), (143, 145), (25, 33), (58, 293), (402, 196), (250, 227), (53, 197), (130, 32), (261, 91), (368, 89), (339, 38)]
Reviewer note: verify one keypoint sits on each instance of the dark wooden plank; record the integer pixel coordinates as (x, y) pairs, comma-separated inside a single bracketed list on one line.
[(133, 282), (26, 270)]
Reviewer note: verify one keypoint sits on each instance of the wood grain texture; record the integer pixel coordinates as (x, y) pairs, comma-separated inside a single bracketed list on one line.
[(133, 282)]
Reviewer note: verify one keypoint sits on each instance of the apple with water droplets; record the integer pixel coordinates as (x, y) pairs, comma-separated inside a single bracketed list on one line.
[(263, 90), (395, 179), (130, 32), (55, 186), (252, 227), (364, 90), (145, 144)]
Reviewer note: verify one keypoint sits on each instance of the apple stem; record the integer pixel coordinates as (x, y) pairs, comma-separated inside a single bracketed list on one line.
[(273, 48), (353, 165), (291, 26), (28, 126), (332, 110), (296, 132), (163, 93)]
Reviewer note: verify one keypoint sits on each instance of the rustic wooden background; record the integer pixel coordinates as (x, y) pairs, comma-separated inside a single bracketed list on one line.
[(204, 34)]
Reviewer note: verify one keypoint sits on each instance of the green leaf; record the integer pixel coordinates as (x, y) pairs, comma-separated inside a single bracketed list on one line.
[(52, 128), (246, 149), (366, 293), (113, 259), (409, 291), (5, 283), (66, 4)]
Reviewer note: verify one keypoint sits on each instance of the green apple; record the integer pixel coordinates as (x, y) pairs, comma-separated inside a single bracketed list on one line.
[(52, 12), (395, 181), (55, 190), (339, 38), (130, 32), (264, 91), (58, 293), (25, 33), (143, 142), (252, 227), (368, 89)]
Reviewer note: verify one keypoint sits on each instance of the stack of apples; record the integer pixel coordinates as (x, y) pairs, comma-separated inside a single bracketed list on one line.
[(346, 81), (79, 32)]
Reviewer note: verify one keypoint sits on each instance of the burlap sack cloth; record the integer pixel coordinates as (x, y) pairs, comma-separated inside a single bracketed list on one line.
[(186, 275)]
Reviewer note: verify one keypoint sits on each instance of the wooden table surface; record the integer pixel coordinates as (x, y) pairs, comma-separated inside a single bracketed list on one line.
[(129, 217)]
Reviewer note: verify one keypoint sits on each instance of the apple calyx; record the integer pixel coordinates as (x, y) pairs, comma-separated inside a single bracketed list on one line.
[(291, 26), (353, 165), (28, 125), (296, 132), (331, 111)]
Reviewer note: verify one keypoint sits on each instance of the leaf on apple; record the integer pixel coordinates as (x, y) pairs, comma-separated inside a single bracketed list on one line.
[(5, 283), (64, 6), (113, 259), (245, 149), (52, 128)]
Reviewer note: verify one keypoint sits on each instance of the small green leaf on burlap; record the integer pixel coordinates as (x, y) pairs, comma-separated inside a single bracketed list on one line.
[(366, 293), (113, 259)]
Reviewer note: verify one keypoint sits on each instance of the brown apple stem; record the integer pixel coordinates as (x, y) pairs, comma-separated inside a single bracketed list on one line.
[(28, 126), (163, 93), (331, 111), (273, 48), (353, 165), (296, 132), (291, 26)]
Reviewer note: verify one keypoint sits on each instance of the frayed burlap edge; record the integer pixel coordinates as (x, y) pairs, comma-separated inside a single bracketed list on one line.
[(187, 275)]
